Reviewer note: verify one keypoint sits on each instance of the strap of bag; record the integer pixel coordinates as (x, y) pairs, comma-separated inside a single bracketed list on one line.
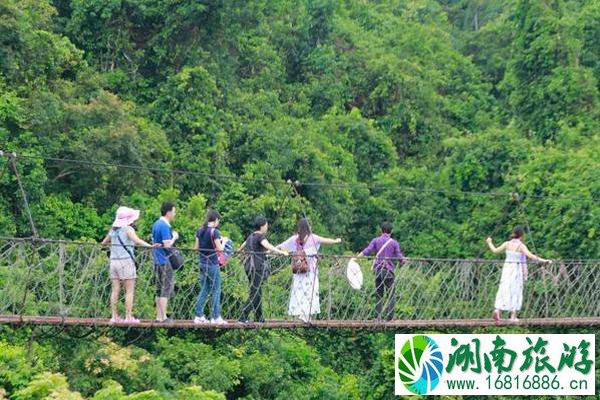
[(300, 248), (126, 248), (383, 247), (212, 239), (220, 254), (250, 254)]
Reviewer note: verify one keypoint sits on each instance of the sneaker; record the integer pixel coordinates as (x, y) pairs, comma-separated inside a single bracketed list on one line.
[(166, 321), (132, 320), (218, 321), (200, 320), (244, 321)]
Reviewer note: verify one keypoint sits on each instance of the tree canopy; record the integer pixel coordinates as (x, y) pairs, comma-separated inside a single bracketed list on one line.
[(454, 120)]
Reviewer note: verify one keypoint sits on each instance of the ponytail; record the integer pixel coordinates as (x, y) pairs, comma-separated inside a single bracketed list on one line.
[(211, 216), (517, 233)]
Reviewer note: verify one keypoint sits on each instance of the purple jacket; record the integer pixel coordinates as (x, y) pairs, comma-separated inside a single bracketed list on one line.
[(388, 257)]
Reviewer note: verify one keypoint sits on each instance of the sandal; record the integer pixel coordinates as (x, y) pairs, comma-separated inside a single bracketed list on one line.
[(496, 316)]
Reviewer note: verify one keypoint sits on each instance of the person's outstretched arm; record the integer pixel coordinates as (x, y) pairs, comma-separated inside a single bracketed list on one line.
[(324, 240), (368, 250), (398, 254), (265, 243), (532, 256), (288, 245), (106, 240), (493, 248), (135, 238)]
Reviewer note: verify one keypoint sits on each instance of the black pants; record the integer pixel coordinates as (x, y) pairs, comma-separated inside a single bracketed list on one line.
[(256, 277), (384, 283)]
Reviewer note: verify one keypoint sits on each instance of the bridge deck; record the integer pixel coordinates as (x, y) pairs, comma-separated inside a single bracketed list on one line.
[(282, 324)]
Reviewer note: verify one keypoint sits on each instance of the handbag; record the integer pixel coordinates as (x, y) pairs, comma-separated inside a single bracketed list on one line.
[(175, 258), (299, 260), (221, 256)]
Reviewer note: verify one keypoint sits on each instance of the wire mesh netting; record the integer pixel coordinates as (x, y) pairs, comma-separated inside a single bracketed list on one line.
[(69, 279)]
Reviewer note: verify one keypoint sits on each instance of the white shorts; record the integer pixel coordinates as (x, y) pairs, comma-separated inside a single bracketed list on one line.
[(122, 269)]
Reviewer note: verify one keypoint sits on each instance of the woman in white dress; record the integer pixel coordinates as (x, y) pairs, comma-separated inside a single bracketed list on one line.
[(304, 296), (514, 272)]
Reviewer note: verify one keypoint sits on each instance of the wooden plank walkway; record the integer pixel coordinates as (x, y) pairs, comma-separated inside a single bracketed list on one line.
[(287, 324)]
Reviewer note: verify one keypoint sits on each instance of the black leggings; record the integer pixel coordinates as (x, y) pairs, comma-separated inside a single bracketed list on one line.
[(256, 277), (384, 282)]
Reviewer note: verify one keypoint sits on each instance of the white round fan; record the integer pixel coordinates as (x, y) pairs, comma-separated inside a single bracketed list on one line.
[(354, 274)]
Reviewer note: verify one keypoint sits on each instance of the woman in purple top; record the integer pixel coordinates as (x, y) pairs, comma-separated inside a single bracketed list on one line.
[(387, 253), (304, 296)]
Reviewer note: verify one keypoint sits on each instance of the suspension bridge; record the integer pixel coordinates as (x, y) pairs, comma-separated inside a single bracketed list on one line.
[(53, 282), (59, 282)]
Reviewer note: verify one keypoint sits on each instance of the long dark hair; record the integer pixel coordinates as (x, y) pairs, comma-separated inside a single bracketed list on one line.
[(303, 230), (517, 233)]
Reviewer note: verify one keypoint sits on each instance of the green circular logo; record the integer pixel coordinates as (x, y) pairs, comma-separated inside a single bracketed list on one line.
[(420, 364)]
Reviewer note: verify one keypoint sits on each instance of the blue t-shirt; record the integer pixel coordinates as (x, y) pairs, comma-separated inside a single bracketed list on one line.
[(208, 252), (160, 231)]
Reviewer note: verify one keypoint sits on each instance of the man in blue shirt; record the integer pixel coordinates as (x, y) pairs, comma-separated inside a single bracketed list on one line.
[(387, 254), (163, 272)]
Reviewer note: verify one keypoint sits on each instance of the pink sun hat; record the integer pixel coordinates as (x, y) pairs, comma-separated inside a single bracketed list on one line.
[(125, 217)]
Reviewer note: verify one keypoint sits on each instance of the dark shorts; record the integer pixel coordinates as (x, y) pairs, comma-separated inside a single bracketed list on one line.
[(163, 279)]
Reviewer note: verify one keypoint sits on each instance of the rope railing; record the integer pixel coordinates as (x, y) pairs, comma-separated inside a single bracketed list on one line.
[(52, 278)]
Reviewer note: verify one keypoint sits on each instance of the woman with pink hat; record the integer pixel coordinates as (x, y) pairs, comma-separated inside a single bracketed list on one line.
[(122, 239)]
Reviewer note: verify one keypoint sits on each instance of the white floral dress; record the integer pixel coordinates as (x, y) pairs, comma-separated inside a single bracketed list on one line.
[(304, 295)]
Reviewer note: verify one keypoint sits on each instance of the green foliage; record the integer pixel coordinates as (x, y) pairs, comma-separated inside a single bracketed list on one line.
[(67, 220), (197, 393), (546, 83), (409, 104), (104, 359), (15, 368), (439, 96), (47, 386), (198, 364), (275, 366)]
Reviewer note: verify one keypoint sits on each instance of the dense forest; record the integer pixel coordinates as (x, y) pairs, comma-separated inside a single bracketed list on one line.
[(453, 119)]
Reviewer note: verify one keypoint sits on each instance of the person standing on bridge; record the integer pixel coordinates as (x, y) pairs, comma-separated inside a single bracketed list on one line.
[(304, 296), (208, 243), (510, 291), (122, 239), (256, 267), (165, 237), (387, 253)]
